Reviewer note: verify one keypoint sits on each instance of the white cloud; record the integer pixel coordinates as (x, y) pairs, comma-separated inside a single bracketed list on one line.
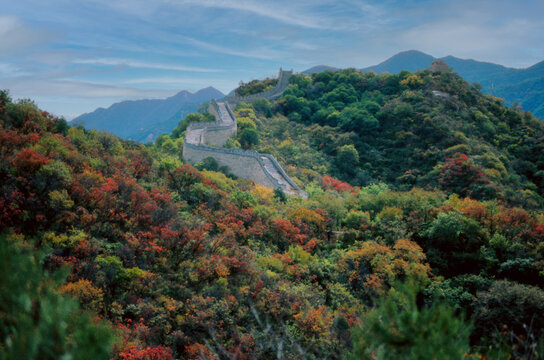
[(309, 14), (29, 87), (475, 35), (186, 83), (16, 36), (264, 53), (273, 10), (9, 70), (139, 64)]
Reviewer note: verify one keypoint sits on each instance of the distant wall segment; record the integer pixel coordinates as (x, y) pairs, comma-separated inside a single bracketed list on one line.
[(213, 133)]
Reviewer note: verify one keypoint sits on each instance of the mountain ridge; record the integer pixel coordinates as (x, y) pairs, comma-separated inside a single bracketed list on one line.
[(147, 117), (515, 85)]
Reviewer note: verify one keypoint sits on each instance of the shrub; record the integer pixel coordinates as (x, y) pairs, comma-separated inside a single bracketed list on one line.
[(398, 329), (508, 303)]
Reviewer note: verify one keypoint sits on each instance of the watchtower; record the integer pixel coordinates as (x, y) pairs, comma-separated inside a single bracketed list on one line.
[(438, 66)]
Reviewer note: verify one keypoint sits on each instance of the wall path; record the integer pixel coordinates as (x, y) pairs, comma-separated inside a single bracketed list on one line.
[(205, 139)]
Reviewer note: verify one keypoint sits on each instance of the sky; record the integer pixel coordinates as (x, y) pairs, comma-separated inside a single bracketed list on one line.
[(72, 56)]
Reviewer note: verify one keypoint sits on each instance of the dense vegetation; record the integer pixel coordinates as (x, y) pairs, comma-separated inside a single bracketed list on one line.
[(522, 87), (430, 244), (365, 128), (255, 86)]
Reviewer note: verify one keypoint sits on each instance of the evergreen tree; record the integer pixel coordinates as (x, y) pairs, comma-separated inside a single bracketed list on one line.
[(36, 322), (397, 328)]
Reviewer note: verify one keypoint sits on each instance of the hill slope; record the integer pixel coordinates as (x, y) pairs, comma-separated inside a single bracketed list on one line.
[(523, 86), (144, 120), (191, 264), (406, 130)]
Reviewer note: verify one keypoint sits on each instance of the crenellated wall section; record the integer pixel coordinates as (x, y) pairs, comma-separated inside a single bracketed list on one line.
[(207, 138)]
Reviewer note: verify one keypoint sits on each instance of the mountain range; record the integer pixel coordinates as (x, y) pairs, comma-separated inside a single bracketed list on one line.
[(522, 86), (144, 120)]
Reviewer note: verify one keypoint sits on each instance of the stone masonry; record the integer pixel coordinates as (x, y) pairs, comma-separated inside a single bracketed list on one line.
[(206, 140)]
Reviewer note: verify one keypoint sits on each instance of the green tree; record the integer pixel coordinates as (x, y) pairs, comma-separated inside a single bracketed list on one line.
[(249, 138), (397, 328), (453, 243), (36, 322), (358, 120), (208, 163), (347, 160), (61, 127)]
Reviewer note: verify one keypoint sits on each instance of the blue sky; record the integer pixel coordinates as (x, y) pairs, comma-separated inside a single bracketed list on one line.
[(72, 56)]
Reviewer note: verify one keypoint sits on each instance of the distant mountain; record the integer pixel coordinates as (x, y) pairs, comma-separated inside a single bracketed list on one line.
[(522, 86), (144, 120), (407, 60), (319, 68)]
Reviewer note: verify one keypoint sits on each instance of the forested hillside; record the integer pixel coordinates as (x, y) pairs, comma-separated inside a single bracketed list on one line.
[(424, 130), (520, 86), (422, 235)]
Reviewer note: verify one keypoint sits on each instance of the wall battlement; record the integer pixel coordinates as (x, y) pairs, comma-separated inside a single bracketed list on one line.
[(205, 139)]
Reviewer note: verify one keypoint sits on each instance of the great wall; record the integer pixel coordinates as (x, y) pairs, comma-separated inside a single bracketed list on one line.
[(205, 139)]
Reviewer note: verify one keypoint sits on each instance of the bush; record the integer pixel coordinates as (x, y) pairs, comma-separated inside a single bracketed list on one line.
[(208, 163), (508, 303), (249, 138), (398, 329), (36, 322)]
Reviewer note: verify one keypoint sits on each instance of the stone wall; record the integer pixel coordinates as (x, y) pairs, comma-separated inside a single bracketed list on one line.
[(214, 109), (205, 139), (211, 133), (218, 136), (438, 66), (242, 163)]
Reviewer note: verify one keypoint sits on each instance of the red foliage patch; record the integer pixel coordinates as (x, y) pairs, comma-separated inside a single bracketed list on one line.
[(29, 161), (331, 183), (149, 353)]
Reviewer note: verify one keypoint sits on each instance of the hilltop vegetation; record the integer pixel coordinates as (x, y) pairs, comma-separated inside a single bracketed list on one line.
[(365, 128), (523, 87), (255, 86), (422, 234)]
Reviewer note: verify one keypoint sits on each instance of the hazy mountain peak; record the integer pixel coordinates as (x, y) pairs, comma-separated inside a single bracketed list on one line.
[(523, 86), (147, 118), (319, 68), (412, 60)]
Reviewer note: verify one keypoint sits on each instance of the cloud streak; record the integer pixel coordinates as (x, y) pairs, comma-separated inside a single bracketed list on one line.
[(282, 13), (15, 36), (90, 52), (143, 65)]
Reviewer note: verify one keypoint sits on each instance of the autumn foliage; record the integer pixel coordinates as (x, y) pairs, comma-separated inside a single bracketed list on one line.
[(195, 264)]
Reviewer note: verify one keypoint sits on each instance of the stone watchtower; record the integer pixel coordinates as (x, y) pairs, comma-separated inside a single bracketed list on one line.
[(283, 79), (438, 66)]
